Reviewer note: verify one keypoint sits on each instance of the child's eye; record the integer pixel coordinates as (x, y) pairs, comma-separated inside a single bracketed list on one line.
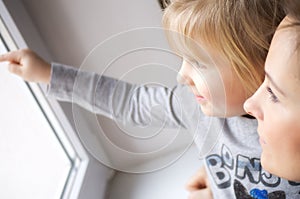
[(272, 95), (199, 65)]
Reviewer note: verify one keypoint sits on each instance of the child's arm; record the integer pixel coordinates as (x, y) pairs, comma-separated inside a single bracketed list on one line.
[(28, 65), (99, 94), (116, 99)]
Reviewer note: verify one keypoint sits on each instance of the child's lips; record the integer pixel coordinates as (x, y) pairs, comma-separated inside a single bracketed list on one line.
[(200, 98)]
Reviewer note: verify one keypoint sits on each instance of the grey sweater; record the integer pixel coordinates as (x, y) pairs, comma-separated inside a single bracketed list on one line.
[(229, 146)]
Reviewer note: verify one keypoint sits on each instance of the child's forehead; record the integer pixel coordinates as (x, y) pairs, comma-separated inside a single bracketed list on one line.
[(193, 49), (198, 53)]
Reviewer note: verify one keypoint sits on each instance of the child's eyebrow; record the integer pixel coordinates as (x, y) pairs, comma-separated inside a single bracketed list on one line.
[(274, 84)]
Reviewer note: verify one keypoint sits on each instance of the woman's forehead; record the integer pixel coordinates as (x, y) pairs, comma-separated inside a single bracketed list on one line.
[(282, 62)]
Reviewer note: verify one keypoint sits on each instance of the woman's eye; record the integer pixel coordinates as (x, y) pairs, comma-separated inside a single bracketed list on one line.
[(273, 97)]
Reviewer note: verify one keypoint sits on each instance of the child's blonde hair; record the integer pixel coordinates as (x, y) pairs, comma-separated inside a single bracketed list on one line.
[(240, 30)]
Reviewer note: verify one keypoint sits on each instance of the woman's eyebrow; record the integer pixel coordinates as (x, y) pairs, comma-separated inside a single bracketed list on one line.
[(274, 84)]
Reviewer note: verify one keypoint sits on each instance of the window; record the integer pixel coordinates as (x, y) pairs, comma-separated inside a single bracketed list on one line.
[(39, 157)]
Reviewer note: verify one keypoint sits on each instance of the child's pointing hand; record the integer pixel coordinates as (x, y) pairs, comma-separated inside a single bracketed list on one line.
[(28, 65)]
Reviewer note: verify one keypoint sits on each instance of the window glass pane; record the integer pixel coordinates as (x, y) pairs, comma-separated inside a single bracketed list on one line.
[(34, 164)]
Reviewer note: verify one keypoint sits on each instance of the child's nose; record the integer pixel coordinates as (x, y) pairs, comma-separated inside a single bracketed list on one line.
[(252, 107)]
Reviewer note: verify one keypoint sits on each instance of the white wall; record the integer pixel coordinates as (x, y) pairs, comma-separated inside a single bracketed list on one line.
[(71, 28)]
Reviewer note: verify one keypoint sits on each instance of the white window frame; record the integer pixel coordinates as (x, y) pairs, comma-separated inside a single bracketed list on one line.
[(55, 116)]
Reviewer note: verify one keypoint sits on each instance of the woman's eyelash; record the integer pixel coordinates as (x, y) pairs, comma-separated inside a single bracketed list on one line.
[(272, 95)]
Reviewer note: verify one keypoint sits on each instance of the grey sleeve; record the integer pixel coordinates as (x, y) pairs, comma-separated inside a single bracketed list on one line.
[(133, 104)]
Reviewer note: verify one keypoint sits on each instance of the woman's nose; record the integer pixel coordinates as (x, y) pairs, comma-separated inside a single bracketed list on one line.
[(184, 74), (253, 106)]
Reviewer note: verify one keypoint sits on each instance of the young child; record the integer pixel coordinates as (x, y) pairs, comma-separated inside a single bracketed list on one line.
[(276, 103), (223, 44)]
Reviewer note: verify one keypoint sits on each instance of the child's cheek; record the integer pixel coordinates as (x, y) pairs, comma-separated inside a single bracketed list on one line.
[(207, 94), (214, 92)]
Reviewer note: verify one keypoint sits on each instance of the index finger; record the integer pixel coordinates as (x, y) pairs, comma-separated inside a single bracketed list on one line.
[(13, 56)]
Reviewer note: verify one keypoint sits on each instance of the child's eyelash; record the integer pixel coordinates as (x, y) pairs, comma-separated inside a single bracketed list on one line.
[(273, 97), (198, 65), (195, 63)]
